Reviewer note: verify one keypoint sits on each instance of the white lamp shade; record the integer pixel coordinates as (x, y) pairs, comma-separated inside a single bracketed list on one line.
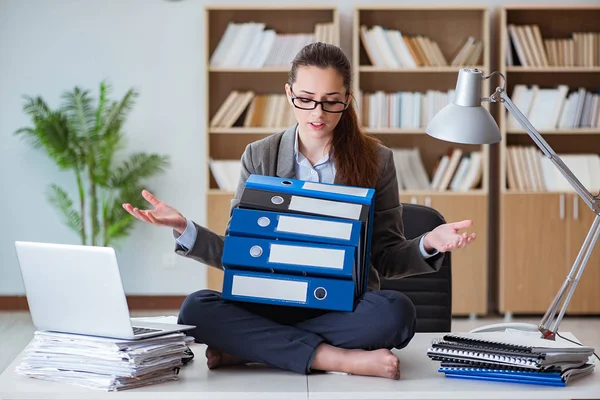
[(463, 124)]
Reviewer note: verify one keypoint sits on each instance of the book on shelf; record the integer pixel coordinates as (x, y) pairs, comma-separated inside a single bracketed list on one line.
[(250, 110), (226, 173), (517, 357), (407, 110), (254, 45), (456, 171), (555, 108), (390, 48), (527, 169), (468, 53), (528, 48)]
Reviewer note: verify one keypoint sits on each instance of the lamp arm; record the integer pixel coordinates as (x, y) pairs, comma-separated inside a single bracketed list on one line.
[(592, 201)]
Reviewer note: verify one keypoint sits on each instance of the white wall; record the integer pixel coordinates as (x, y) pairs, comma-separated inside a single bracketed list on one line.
[(157, 46)]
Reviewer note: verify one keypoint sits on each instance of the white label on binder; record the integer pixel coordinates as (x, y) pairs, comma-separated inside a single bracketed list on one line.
[(350, 190), (268, 288), (304, 255), (325, 207), (314, 227)]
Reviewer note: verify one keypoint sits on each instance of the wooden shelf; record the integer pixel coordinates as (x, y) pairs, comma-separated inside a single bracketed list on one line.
[(566, 131), (454, 70), (449, 27), (266, 7), (228, 143), (261, 70), (245, 131), (541, 231), (218, 192), (394, 131), (565, 70)]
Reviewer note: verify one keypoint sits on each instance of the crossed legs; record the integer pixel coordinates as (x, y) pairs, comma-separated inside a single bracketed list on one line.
[(301, 340)]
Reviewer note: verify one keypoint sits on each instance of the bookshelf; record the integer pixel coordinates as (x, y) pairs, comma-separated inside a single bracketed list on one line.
[(542, 221), (256, 66), (417, 57)]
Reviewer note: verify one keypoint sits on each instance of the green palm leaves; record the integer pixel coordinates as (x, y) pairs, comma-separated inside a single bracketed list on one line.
[(85, 137)]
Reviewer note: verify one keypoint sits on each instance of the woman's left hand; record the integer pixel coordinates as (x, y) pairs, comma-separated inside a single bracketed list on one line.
[(447, 237)]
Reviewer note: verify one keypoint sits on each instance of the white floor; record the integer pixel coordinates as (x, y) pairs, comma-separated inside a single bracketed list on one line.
[(16, 330)]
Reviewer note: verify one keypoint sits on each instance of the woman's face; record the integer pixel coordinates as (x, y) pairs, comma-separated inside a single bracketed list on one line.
[(314, 83)]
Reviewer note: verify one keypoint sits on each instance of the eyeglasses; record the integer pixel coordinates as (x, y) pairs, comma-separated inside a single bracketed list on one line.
[(309, 104)]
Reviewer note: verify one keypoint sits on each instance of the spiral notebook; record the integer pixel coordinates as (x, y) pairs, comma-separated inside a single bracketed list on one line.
[(511, 357), (519, 341)]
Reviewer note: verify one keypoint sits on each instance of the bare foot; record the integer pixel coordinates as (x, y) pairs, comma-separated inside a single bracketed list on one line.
[(216, 358), (382, 362)]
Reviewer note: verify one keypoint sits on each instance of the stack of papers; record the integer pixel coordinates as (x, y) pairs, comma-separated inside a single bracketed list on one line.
[(104, 363), (511, 357)]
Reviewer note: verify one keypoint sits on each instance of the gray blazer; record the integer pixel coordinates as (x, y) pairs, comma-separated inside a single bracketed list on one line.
[(392, 255)]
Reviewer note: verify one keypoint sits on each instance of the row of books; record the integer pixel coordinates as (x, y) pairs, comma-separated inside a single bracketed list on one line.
[(252, 110), (391, 48), (401, 109), (527, 169), (582, 49), (251, 45), (552, 108), (512, 357), (456, 171), (546, 108), (103, 363)]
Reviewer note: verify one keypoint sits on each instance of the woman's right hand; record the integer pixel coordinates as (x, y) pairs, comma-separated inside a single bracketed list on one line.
[(162, 215)]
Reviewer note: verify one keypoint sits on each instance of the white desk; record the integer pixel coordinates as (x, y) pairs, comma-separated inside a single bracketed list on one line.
[(420, 380)]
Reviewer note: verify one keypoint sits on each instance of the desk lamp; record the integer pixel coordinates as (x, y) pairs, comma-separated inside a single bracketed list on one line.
[(466, 121)]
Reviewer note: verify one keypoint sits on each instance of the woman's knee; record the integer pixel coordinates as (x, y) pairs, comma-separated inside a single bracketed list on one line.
[(196, 306), (398, 318)]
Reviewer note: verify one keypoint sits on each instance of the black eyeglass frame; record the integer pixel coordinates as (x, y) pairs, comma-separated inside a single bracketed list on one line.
[(322, 103)]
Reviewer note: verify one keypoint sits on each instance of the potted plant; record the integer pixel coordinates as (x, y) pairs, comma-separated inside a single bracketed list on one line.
[(85, 137)]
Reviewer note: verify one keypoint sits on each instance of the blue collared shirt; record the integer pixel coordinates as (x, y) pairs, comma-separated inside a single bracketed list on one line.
[(323, 171)]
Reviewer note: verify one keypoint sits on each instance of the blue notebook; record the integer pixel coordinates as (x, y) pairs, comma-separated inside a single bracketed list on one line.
[(543, 377)]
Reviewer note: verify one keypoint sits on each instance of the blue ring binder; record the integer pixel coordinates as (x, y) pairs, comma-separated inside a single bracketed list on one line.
[(311, 238)]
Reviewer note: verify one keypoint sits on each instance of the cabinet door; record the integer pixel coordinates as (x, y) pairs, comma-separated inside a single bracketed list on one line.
[(217, 216), (586, 299), (533, 251), (470, 264)]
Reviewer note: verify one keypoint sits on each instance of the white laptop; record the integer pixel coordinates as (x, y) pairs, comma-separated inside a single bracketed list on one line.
[(78, 289)]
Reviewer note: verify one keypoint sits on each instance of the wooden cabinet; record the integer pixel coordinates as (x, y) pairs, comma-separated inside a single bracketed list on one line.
[(470, 264), (533, 252), (586, 299), (541, 235), (543, 225)]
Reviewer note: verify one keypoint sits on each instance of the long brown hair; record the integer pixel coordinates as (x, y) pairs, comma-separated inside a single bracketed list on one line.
[(355, 153)]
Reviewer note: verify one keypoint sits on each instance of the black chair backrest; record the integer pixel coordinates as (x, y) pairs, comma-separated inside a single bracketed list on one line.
[(430, 293)]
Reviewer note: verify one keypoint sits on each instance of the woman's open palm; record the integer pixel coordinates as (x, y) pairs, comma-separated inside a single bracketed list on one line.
[(447, 237), (162, 215)]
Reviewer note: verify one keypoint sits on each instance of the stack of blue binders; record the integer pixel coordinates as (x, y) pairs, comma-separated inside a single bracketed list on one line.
[(298, 243)]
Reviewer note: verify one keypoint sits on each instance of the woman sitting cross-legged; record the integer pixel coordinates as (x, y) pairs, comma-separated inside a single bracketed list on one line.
[(326, 145)]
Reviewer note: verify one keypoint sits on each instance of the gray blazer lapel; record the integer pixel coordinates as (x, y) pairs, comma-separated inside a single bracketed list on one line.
[(286, 165)]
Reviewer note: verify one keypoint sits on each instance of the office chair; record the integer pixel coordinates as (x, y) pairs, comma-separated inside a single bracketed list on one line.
[(430, 293)]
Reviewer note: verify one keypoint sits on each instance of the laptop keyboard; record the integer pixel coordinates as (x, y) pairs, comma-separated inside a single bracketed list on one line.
[(138, 331)]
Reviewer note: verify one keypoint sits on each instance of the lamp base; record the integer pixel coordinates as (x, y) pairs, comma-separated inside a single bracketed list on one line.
[(518, 326)]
